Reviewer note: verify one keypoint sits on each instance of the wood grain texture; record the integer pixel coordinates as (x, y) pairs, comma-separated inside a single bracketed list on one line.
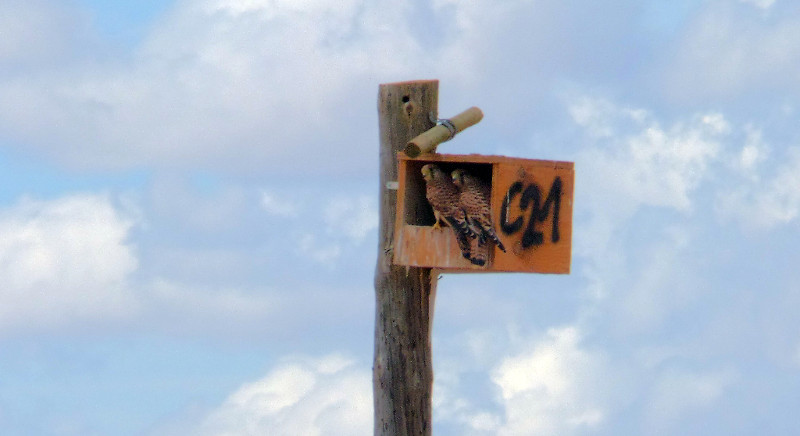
[(402, 371)]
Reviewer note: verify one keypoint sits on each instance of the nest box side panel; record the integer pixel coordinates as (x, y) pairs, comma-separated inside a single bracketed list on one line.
[(532, 211)]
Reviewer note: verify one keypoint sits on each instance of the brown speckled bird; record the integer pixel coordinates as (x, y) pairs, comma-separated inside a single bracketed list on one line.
[(474, 200), (479, 251), (443, 197)]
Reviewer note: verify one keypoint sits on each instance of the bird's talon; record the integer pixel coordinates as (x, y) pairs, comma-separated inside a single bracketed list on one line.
[(479, 262)]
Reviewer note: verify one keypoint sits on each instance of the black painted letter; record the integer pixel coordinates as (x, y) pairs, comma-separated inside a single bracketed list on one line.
[(509, 228)]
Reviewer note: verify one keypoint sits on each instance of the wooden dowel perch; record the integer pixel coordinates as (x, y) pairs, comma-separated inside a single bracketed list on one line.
[(427, 141)]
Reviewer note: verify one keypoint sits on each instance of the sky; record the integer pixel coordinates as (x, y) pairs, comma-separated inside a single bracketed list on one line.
[(188, 215)]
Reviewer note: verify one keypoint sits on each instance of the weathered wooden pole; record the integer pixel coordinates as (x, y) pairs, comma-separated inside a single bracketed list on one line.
[(403, 370)]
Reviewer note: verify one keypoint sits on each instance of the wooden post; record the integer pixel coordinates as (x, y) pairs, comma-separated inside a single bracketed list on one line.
[(403, 370)]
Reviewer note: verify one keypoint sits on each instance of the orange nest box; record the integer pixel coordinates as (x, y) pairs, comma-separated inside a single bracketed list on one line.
[(531, 202)]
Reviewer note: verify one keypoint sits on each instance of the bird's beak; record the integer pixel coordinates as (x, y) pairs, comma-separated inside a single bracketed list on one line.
[(426, 171)]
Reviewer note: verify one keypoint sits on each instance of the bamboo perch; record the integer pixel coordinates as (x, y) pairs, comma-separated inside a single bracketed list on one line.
[(428, 140)]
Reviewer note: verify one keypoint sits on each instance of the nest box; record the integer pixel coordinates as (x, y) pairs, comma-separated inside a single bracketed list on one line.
[(531, 202)]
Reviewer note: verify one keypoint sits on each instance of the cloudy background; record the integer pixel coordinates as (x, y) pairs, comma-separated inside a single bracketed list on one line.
[(188, 212)]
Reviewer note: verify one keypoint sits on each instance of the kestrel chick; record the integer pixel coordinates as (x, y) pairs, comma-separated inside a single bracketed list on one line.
[(443, 197), (474, 201)]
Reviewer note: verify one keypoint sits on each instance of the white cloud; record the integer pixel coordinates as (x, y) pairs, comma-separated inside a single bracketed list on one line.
[(652, 165), (221, 208), (774, 197), (601, 118), (326, 396), (780, 202), (353, 217), (321, 252), (551, 389), (638, 168), (64, 261), (658, 285), (207, 310), (278, 206), (248, 85), (728, 52), (761, 4), (750, 156), (632, 162), (69, 262), (346, 222), (677, 394), (253, 85), (753, 153), (271, 9), (37, 32)]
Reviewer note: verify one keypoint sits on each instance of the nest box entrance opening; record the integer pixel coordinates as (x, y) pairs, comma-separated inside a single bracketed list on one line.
[(418, 211)]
